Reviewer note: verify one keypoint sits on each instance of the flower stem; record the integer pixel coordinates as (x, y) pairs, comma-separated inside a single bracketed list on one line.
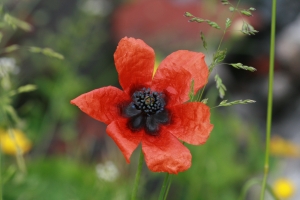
[(137, 176), (251, 183), (200, 96), (0, 174), (168, 188), (163, 191), (19, 155), (270, 101)]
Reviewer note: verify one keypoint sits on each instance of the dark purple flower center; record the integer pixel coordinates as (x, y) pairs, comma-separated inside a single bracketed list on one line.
[(147, 110)]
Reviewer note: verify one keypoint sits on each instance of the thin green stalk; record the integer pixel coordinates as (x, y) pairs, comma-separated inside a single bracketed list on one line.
[(270, 101), (164, 187), (137, 176), (200, 96), (1, 181), (0, 173), (168, 187), (225, 30), (212, 67), (19, 153), (251, 183)]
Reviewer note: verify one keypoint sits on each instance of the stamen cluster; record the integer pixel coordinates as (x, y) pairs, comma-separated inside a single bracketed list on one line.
[(147, 111), (148, 102)]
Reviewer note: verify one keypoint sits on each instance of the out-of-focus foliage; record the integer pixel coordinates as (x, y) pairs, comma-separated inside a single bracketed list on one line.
[(221, 166), (61, 178), (80, 39), (219, 169), (63, 159)]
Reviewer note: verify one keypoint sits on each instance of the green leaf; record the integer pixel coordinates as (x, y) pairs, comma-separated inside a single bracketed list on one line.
[(244, 67), (9, 174), (225, 2), (204, 101), (47, 52), (22, 89), (225, 103), (220, 86), (14, 23), (26, 88), (213, 24), (35, 49), (11, 48), (228, 23), (231, 9), (196, 19), (12, 114), (246, 12), (200, 20), (187, 14), (248, 29), (191, 93), (203, 40), (219, 56)]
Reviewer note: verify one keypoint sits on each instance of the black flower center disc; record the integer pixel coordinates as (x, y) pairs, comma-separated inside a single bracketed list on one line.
[(147, 110)]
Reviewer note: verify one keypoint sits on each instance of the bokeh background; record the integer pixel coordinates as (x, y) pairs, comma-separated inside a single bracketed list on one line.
[(68, 155)]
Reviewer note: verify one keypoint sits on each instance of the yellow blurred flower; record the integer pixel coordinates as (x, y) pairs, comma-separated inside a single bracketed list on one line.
[(282, 147), (284, 188), (10, 145)]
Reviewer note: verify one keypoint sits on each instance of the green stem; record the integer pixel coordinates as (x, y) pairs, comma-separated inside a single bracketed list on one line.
[(202, 91), (251, 183), (168, 188), (19, 153), (0, 173), (163, 190), (225, 30), (211, 67), (1, 181), (270, 100), (137, 176)]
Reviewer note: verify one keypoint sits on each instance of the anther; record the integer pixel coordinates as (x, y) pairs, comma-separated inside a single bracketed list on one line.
[(147, 111)]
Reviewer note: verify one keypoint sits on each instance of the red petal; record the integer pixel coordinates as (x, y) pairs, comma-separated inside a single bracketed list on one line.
[(175, 73), (102, 104), (134, 61), (126, 140), (191, 122), (199, 70), (165, 153)]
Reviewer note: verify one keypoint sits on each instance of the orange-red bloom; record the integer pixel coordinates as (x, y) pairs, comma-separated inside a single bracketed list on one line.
[(153, 110)]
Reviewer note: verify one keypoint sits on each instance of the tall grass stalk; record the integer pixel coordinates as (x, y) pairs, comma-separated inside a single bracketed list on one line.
[(0, 173), (166, 184), (270, 101), (19, 152), (138, 176)]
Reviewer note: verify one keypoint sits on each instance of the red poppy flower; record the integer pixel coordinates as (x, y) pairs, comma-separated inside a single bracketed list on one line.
[(153, 110)]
